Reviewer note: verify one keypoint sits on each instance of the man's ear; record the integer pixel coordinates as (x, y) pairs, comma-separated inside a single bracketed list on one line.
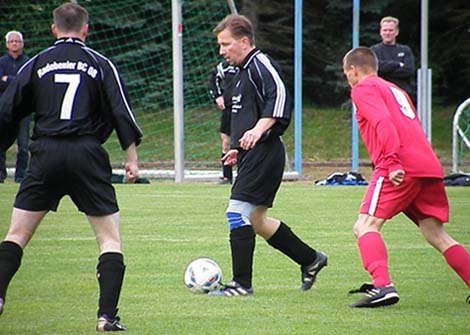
[(54, 31), (85, 30), (245, 41)]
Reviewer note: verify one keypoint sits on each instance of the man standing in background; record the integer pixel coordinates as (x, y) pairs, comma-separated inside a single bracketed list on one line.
[(396, 61), (9, 66), (220, 87)]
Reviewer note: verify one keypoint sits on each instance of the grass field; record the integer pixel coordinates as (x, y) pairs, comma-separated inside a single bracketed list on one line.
[(165, 225)]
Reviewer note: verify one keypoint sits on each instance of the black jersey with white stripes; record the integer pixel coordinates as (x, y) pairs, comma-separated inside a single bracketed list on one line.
[(72, 90), (259, 92), (221, 81)]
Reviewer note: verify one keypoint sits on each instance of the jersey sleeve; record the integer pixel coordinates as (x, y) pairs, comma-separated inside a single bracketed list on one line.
[(272, 96), (372, 108), (272, 90), (214, 79), (125, 124)]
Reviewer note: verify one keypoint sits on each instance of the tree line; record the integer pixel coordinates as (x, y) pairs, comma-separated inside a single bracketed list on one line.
[(327, 36)]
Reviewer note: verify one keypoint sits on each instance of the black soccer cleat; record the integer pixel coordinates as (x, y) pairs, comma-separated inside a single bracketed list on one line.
[(106, 324), (310, 272), (376, 296), (232, 289)]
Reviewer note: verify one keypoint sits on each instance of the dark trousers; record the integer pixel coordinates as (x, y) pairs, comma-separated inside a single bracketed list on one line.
[(22, 156)]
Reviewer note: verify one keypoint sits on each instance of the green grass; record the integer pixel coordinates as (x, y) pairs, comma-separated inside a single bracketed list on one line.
[(165, 225)]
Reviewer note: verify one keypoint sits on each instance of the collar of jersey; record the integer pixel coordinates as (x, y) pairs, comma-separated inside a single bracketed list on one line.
[(249, 57), (69, 40)]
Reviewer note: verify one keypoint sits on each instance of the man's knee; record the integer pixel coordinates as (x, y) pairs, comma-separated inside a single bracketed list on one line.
[(238, 214), (366, 223)]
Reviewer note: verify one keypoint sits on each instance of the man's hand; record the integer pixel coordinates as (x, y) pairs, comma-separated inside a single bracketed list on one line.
[(220, 102), (132, 171), (132, 166), (250, 138), (396, 177), (230, 158)]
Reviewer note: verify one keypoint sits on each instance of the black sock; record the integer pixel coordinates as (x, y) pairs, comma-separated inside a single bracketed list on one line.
[(242, 244), (226, 170), (110, 274), (10, 261), (289, 244)]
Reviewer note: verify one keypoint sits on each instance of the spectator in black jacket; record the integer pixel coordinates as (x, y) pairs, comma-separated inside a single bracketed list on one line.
[(396, 61), (9, 66)]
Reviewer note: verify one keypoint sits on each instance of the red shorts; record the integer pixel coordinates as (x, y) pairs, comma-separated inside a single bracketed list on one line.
[(417, 198)]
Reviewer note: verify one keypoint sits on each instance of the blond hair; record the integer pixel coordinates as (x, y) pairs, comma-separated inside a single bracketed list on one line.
[(390, 19)]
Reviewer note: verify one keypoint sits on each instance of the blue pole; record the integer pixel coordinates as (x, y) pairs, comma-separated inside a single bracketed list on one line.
[(298, 87), (354, 130)]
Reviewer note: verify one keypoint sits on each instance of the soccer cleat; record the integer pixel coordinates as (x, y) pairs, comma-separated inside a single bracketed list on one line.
[(232, 289), (310, 272), (376, 296), (106, 324), (1, 306)]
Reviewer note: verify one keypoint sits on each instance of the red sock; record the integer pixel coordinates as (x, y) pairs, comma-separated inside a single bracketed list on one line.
[(374, 257), (459, 260)]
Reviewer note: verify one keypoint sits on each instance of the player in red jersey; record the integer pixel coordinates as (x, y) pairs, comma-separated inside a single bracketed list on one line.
[(407, 177)]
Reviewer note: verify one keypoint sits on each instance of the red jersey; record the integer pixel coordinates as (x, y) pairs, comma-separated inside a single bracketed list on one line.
[(391, 130)]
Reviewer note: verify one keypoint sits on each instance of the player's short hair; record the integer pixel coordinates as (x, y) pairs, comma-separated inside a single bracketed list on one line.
[(13, 32), (363, 58), (390, 19), (239, 25), (70, 17)]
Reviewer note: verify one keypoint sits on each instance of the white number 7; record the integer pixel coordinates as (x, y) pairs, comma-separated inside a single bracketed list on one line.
[(73, 81)]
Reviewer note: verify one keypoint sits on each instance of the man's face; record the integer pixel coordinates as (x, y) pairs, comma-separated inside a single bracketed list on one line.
[(389, 32), (233, 50), (14, 43)]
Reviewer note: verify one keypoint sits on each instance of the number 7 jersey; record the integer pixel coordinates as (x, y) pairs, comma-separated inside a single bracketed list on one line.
[(72, 90), (391, 130)]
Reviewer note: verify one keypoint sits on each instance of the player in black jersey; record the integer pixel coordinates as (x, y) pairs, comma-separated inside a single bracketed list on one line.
[(77, 98), (261, 111), (220, 87)]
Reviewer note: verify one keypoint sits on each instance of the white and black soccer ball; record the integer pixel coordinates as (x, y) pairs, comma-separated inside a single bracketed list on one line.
[(202, 275)]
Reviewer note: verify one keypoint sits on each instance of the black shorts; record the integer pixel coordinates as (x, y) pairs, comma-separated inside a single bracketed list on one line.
[(225, 121), (75, 166), (259, 173)]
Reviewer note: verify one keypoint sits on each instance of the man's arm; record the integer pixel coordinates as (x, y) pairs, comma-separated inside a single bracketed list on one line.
[(132, 165), (125, 124), (253, 135), (215, 82), (402, 67), (3, 76)]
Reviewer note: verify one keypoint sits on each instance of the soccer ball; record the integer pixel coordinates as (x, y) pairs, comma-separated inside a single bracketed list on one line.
[(202, 275)]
